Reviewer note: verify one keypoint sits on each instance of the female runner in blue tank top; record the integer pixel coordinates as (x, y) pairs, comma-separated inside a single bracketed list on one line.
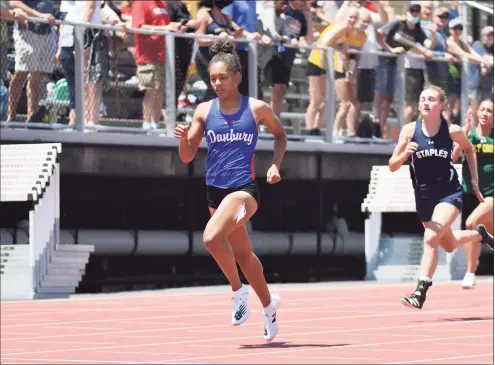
[(429, 145), (230, 126)]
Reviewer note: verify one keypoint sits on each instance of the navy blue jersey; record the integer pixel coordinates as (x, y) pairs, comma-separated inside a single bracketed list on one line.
[(431, 167)]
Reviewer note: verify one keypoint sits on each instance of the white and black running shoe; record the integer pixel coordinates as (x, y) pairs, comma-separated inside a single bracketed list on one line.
[(417, 299), (270, 318), (240, 306)]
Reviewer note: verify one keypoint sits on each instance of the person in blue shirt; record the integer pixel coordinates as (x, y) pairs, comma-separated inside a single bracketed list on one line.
[(243, 13), (230, 125)]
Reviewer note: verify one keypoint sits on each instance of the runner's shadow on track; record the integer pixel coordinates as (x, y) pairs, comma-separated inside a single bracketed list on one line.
[(287, 345), (458, 319)]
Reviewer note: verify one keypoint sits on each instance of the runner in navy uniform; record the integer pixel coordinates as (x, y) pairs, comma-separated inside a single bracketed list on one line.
[(230, 126), (429, 144)]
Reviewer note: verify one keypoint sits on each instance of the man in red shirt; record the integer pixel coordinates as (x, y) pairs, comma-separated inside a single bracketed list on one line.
[(150, 55)]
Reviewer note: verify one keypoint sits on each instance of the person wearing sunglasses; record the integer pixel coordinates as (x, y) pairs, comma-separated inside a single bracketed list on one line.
[(462, 50), (398, 37), (437, 72)]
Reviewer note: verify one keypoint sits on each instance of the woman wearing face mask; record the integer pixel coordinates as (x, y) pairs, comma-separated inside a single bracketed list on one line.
[(396, 37), (214, 22), (343, 36)]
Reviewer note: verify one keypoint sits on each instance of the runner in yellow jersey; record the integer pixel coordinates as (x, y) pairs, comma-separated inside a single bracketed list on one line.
[(349, 34), (475, 213)]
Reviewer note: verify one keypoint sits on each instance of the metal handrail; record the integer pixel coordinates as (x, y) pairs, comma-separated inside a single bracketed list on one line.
[(253, 47), (477, 5), (213, 37)]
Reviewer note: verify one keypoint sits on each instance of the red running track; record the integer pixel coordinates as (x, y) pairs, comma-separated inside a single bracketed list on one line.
[(344, 323)]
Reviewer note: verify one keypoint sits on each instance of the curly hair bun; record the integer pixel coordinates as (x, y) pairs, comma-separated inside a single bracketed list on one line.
[(222, 46)]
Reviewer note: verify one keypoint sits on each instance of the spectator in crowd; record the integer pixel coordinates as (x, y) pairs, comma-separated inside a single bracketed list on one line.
[(346, 74), (179, 13), (273, 23), (33, 55), (214, 23), (481, 76), (414, 62), (453, 13), (462, 50), (366, 78), (96, 60), (112, 15), (280, 67), (343, 36), (65, 56), (243, 13), (397, 37), (329, 8), (7, 14), (150, 55), (320, 21), (192, 7), (426, 13), (65, 6), (437, 71), (389, 9), (126, 14), (126, 10), (12, 14)]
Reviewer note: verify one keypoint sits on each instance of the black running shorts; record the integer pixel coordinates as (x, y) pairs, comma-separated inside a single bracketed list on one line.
[(214, 195)]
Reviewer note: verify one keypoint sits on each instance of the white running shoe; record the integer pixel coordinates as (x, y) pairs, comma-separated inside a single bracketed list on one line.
[(270, 318), (240, 306), (469, 281)]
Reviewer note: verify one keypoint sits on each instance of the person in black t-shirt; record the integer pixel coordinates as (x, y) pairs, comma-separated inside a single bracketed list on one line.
[(398, 37), (279, 68), (178, 12)]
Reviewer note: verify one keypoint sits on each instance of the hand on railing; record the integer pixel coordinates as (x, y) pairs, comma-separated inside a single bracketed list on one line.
[(266, 40), (254, 36), (237, 33), (452, 58), (49, 17), (428, 54), (20, 16), (175, 27), (398, 50)]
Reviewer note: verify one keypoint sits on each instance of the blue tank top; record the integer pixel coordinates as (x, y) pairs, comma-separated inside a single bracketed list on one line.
[(431, 165), (231, 141)]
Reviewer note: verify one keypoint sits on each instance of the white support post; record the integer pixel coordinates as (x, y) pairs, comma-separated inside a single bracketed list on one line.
[(329, 96), (373, 229), (170, 97), (253, 69)]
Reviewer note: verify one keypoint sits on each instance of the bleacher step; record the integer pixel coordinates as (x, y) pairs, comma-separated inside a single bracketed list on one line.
[(51, 270), (75, 248), (51, 266), (49, 281)]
